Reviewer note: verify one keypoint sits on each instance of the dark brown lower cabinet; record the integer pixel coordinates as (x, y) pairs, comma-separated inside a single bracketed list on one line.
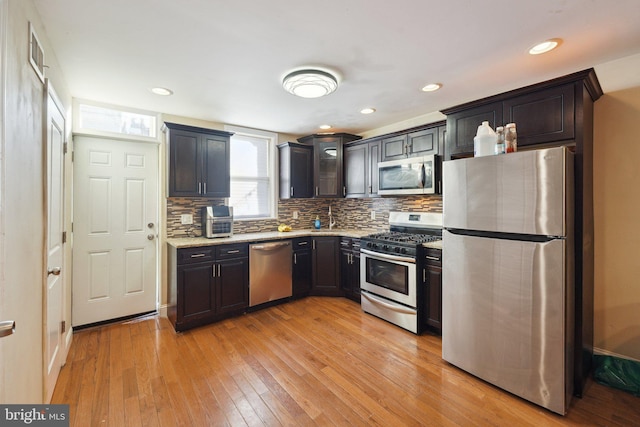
[(350, 267), (207, 284), (302, 267), (326, 270), (432, 290)]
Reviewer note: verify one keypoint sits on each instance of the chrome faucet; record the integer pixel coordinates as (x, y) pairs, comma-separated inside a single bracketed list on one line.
[(331, 221)]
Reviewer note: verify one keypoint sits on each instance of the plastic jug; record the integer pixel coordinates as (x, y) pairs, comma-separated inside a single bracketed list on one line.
[(485, 141)]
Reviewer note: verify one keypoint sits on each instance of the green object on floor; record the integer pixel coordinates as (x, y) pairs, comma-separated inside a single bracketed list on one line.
[(623, 374)]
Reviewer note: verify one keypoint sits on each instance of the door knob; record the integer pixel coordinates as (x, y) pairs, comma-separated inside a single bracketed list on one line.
[(8, 327), (150, 225), (55, 271), (150, 236)]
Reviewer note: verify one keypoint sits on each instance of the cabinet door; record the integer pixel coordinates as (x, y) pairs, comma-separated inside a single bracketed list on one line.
[(356, 171), (215, 177), (184, 164), (327, 153), (463, 126), (301, 172), (394, 148), (374, 159), (433, 294), (196, 292), (423, 142), (232, 285), (302, 272), (326, 270), (543, 117), (345, 270)]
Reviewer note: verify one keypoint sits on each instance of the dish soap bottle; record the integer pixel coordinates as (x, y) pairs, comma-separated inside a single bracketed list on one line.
[(317, 222)]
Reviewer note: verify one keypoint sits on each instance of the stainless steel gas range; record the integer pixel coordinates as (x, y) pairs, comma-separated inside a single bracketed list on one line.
[(388, 273)]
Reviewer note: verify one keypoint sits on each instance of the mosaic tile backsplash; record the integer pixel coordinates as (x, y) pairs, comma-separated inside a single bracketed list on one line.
[(348, 213)]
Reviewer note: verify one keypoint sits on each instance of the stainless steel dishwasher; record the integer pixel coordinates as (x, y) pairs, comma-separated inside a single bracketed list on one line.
[(269, 272)]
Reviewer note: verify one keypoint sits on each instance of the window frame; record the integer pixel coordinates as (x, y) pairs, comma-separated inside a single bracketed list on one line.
[(272, 173), (115, 135)]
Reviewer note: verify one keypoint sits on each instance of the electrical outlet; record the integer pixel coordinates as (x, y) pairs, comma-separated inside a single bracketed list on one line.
[(295, 214), (186, 219), (373, 215)]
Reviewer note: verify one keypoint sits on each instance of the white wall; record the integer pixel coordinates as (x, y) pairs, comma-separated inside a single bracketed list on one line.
[(23, 203)]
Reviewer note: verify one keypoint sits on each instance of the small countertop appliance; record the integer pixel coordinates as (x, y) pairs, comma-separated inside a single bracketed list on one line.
[(217, 221)]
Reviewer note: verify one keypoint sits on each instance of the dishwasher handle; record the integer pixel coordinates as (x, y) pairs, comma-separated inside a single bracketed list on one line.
[(270, 246)]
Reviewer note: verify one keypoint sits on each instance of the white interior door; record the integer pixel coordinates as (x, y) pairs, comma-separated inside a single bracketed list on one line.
[(115, 229), (54, 295)]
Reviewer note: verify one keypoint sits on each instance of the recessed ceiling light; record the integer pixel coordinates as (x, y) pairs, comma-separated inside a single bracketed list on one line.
[(544, 47), (162, 91), (431, 87), (325, 127), (368, 110), (310, 83)]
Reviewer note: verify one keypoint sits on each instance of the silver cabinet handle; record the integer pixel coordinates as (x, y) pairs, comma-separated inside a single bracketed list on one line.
[(291, 191), (303, 243), (233, 252), (317, 191), (433, 258), (295, 258), (199, 188), (205, 188), (218, 270), (8, 327), (55, 271), (198, 255)]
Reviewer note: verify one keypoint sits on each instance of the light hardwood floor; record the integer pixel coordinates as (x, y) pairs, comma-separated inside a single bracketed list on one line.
[(316, 361)]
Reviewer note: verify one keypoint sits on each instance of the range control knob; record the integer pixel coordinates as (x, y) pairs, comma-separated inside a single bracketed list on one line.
[(397, 249), (403, 250)]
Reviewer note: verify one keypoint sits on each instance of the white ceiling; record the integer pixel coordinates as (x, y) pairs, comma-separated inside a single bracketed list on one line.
[(225, 60)]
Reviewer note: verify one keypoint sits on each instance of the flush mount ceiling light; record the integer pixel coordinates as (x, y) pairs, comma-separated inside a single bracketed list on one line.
[(325, 127), (368, 110), (432, 87), (310, 83), (162, 91), (544, 47)]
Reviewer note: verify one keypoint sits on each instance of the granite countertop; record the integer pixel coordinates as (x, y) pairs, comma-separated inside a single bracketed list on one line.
[(433, 245), (188, 242)]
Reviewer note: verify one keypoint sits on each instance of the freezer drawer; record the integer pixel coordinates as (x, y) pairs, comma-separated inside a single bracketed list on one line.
[(529, 192), (508, 315)]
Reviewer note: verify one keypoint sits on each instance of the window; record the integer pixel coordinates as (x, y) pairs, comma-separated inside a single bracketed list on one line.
[(114, 121), (252, 173)]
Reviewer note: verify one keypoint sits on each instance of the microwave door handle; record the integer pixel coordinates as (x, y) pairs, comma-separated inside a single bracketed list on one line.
[(423, 176)]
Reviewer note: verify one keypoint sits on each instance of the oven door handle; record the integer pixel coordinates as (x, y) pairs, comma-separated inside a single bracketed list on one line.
[(387, 256), (394, 307)]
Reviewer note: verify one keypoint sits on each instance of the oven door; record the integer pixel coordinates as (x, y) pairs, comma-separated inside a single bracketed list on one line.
[(389, 276)]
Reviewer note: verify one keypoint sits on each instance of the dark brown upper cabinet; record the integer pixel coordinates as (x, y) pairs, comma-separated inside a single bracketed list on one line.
[(198, 162), (327, 162), (296, 170)]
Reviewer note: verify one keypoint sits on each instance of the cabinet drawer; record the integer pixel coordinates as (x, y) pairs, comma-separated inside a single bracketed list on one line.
[(301, 243), (238, 250), (433, 256), (192, 255)]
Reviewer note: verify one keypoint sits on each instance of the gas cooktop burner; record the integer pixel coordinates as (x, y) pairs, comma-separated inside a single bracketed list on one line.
[(401, 237)]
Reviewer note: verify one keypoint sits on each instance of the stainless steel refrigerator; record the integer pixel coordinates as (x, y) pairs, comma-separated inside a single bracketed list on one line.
[(508, 272)]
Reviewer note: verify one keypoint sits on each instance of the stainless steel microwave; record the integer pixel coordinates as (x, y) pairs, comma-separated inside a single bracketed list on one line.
[(413, 175)]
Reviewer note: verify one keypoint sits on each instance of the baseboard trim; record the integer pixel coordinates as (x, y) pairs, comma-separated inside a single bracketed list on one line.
[(162, 311), (602, 352)]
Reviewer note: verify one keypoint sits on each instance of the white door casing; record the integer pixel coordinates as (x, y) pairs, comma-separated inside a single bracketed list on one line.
[(54, 350), (115, 229)]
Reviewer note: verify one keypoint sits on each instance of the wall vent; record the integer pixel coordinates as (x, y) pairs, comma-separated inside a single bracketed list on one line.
[(36, 54)]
